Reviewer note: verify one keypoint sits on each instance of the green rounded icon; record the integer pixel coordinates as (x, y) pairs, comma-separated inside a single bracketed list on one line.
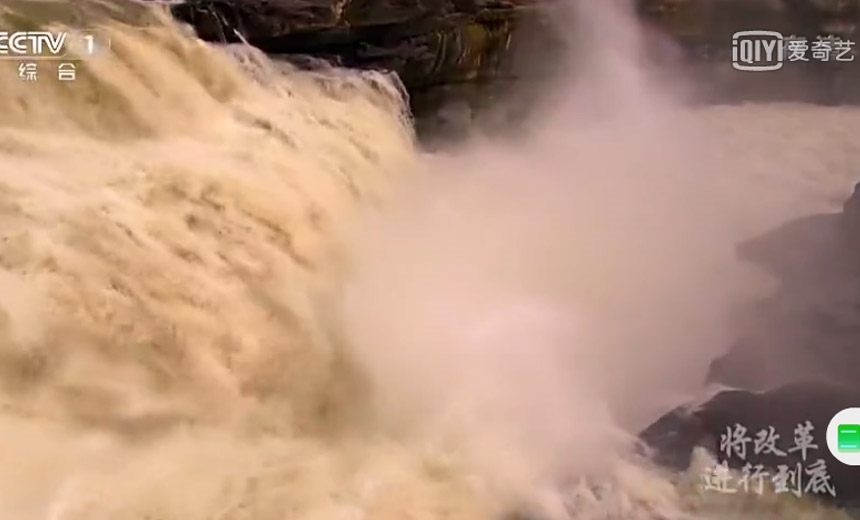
[(843, 436), (848, 438)]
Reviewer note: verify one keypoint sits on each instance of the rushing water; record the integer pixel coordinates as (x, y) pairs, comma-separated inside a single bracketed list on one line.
[(230, 290)]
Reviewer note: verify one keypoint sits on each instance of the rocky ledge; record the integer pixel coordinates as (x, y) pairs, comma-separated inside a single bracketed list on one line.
[(797, 366), (476, 51), (464, 50)]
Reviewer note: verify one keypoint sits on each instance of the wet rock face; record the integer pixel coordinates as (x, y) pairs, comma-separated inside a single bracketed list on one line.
[(483, 51), (672, 438), (426, 43), (465, 50)]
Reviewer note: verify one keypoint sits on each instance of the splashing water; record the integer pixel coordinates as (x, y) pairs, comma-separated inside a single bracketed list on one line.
[(232, 290)]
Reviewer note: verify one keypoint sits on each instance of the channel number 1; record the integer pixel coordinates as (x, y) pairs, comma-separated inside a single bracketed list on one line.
[(90, 43)]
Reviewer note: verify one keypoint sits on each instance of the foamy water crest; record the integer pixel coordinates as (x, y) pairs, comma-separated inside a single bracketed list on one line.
[(233, 290)]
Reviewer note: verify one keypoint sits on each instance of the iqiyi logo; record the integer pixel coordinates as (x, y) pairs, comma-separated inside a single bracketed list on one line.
[(757, 51), (760, 51)]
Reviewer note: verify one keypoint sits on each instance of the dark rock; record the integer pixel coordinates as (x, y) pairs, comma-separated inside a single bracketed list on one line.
[(812, 248), (674, 435), (801, 350), (802, 251), (781, 353), (810, 328), (501, 46), (672, 438), (433, 45)]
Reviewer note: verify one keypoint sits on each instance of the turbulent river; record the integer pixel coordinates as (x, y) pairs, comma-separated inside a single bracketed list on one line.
[(232, 290)]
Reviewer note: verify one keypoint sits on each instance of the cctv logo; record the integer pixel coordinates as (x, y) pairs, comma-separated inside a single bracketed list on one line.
[(757, 51), (31, 44)]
